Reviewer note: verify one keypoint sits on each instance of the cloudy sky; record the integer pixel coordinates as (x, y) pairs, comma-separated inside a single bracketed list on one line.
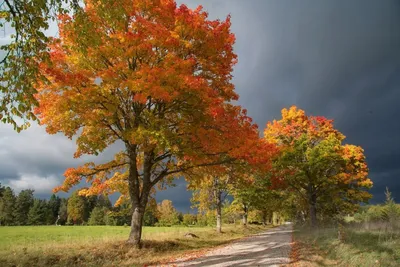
[(339, 59)]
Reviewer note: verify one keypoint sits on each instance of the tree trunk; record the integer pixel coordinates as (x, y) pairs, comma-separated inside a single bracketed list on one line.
[(138, 194), (313, 210), (135, 235), (264, 217), (270, 217), (245, 213), (219, 210)]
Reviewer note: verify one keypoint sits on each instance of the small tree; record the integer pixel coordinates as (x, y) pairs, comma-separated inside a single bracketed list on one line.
[(390, 212), (77, 209), (189, 219), (98, 216), (209, 193), (167, 214), (232, 211)]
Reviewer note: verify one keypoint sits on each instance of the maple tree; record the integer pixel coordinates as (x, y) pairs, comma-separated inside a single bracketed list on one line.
[(153, 76), (315, 163)]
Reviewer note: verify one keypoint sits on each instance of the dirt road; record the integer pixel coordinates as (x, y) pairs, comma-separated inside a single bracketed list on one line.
[(270, 248)]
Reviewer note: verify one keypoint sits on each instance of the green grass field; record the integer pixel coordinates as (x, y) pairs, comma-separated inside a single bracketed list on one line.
[(105, 245), (15, 236)]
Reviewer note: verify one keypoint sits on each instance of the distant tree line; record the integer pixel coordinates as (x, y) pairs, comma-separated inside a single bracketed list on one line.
[(25, 209)]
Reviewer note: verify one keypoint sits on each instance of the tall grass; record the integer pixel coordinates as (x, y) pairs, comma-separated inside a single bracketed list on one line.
[(362, 245)]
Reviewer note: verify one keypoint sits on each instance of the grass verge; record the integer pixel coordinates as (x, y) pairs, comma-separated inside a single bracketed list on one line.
[(105, 245), (359, 248)]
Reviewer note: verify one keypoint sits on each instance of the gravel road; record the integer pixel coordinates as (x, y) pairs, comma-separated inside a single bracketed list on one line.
[(270, 248)]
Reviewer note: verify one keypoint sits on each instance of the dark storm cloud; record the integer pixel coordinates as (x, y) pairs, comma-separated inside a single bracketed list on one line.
[(339, 59)]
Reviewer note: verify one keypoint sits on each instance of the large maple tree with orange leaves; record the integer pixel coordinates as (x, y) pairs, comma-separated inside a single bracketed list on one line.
[(315, 164), (153, 76)]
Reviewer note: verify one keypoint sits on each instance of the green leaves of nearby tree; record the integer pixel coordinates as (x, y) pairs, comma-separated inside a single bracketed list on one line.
[(29, 20)]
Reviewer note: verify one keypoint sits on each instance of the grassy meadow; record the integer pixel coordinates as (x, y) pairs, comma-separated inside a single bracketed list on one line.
[(360, 247), (105, 245)]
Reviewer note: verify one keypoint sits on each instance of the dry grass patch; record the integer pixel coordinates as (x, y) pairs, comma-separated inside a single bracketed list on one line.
[(97, 246)]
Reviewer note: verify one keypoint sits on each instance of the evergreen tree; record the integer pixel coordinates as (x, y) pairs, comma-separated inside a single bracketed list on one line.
[(2, 188), (120, 215), (23, 203), (390, 212), (38, 212), (7, 204), (63, 212), (104, 201), (91, 203), (149, 218), (98, 216), (54, 207)]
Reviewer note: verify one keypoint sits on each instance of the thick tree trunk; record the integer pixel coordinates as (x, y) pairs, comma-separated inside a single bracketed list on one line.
[(135, 235), (313, 210), (138, 194), (219, 211)]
